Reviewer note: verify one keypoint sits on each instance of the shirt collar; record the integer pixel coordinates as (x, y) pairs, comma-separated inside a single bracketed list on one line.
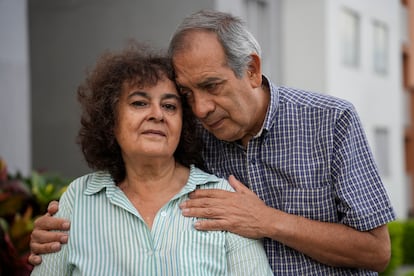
[(102, 180), (271, 109)]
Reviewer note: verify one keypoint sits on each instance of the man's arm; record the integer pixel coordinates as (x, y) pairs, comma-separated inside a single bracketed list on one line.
[(245, 214), (42, 239)]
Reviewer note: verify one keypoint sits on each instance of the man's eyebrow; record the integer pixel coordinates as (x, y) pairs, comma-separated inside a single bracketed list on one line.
[(209, 81)]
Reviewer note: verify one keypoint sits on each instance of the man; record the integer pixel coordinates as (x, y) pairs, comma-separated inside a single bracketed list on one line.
[(315, 195)]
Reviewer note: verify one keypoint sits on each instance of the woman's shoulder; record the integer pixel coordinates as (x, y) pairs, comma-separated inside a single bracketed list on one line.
[(93, 180), (207, 180)]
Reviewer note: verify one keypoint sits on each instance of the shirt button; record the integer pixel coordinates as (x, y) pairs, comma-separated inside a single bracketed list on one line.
[(163, 214), (150, 253), (253, 160)]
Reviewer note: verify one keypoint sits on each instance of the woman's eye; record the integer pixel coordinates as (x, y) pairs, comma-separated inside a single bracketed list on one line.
[(170, 107), (138, 103)]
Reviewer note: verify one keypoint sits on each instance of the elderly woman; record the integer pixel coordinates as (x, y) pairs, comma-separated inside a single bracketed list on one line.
[(137, 134)]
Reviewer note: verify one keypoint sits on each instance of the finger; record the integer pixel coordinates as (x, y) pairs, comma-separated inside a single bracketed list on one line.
[(211, 212), (211, 225), (34, 259), (209, 193), (44, 248), (43, 237), (53, 207), (203, 202), (237, 185), (46, 222)]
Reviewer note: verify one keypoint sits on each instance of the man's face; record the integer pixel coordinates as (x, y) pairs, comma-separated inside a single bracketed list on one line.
[(225, 104)]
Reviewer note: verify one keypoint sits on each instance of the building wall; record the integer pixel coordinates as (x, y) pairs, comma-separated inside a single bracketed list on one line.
[(263, 18), (15, 146), (303, 47)]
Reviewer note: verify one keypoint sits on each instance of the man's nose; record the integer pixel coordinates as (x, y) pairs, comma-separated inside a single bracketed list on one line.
[(202, 105)]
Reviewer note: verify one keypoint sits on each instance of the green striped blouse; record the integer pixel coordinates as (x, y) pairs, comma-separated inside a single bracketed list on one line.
[(109, 237)]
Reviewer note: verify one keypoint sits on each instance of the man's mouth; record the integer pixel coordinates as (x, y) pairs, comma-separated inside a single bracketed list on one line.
[(215, 124)]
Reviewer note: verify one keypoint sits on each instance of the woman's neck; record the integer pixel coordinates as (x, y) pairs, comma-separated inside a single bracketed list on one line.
[(150, 187)]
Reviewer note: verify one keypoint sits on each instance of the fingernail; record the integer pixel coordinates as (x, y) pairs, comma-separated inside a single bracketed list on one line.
[(66, 225), (55, 246), (64, 239), (185, 211)]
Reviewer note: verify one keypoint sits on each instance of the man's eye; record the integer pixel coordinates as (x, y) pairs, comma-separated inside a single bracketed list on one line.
[(210, 86), (184, 91)]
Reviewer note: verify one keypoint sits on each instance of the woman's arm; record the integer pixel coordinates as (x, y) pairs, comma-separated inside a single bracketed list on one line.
[(246, 256)]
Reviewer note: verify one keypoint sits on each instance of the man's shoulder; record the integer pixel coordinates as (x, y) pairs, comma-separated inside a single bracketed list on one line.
[(311, 99)]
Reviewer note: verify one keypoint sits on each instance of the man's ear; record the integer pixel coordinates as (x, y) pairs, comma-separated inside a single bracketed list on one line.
[(254, 71)]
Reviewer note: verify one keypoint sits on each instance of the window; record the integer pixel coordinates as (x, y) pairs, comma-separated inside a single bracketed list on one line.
[(382, 153), (380, 47), (349, 37)]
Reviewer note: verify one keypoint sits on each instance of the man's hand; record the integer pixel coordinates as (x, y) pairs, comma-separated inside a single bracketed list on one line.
[(42, 239), (240, 212)]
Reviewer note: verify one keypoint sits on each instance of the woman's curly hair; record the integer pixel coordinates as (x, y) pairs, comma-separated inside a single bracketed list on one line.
[(99, 94)]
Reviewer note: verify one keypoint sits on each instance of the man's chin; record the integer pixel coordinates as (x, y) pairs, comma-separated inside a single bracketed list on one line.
[(224, 135)]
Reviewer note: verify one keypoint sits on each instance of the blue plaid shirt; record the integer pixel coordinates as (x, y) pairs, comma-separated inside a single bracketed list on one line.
[(312, 159)]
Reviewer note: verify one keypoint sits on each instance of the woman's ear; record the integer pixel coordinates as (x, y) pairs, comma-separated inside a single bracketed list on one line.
[(254, 71)]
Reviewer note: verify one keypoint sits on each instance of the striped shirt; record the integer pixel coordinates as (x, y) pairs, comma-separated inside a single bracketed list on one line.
[(312, 159), (109, 237)]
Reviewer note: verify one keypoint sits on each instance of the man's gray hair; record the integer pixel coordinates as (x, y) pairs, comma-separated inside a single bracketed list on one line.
[(237, 41)]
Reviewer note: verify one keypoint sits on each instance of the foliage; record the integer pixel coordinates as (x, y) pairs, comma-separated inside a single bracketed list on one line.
[(408, 244), (22, 200), (396, 230)]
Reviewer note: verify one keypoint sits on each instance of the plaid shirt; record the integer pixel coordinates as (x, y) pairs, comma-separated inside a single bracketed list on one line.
[(312, 159)]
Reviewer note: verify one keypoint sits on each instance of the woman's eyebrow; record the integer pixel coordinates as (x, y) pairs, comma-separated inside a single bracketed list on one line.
[(138, 93), (168, 95)]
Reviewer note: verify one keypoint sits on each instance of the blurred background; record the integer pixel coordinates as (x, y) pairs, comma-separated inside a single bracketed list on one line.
[(362, 51)]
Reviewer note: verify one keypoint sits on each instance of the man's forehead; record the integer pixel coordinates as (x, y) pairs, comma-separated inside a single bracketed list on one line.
[(190, 78)]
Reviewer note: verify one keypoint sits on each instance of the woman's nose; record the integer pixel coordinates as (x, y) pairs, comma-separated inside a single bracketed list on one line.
[(156, 113)]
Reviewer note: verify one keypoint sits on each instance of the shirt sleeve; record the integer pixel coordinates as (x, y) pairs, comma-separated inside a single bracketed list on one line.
[(363, 200), (57, 263), (246, 256)]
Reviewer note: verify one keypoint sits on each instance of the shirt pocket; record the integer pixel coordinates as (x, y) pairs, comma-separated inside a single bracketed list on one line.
[(314, 203), (202, 253)]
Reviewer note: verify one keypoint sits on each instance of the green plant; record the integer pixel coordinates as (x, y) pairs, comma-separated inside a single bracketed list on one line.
[(22, 200), (408, 244), (396, 230)]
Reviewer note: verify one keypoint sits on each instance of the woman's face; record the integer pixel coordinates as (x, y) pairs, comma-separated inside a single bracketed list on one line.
[(149, 120)]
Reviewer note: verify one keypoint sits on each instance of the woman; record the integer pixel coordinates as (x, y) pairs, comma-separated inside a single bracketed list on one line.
[(125, 218)]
